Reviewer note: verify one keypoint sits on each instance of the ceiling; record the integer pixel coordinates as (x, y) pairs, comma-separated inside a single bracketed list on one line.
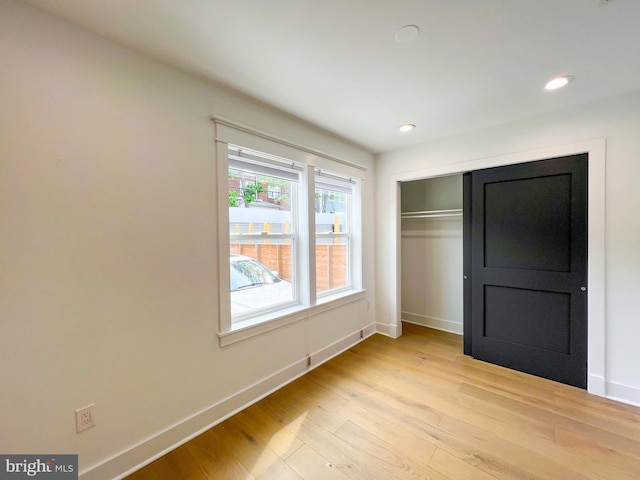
[(337, 64)]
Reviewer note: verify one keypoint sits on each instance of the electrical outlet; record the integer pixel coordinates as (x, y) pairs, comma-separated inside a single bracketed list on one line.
[(85, 418)]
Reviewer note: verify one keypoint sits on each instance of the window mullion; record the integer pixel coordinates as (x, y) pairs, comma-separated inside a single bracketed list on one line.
[(261, 236), (332, 235), (307, 237)]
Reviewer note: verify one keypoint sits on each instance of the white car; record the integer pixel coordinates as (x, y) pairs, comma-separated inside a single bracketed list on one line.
[(254, 286)]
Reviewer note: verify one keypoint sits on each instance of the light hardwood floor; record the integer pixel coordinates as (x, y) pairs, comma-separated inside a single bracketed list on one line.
[(415, 408)]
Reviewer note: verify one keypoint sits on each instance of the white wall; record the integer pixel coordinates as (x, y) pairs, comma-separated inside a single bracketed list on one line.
[(431, 273), (618, 121), (108, 250)]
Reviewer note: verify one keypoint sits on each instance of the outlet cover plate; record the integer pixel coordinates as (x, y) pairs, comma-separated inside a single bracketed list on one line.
[(85, 418)]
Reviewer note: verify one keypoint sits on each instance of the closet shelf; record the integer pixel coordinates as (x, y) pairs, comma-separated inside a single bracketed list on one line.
[(454, 212)]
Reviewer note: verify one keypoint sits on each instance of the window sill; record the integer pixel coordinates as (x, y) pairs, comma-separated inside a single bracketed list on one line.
[(268, 322), (335, 300)]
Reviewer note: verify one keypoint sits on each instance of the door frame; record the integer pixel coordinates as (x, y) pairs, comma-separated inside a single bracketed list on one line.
[(596, 149)]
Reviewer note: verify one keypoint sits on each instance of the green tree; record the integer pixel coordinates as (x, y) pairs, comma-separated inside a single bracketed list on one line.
[(251, 192), (233, 198)]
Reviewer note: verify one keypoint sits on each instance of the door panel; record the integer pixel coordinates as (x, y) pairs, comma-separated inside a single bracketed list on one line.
[(527, 224), (528, 267), (503, 304)]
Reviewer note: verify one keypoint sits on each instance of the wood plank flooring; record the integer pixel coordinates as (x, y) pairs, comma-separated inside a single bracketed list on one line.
[(415, 408)]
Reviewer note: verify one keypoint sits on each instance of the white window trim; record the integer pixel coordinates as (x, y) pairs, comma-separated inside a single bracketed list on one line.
[(231, 133)]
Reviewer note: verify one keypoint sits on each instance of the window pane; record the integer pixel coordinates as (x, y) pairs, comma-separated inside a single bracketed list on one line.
[(331, 264), (255, 285), (333, 230), (261, 238)]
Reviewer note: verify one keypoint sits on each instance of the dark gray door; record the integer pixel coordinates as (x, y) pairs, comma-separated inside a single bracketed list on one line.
[(526, 278)]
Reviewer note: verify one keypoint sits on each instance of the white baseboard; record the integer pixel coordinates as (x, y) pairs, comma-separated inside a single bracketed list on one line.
[(432, 322), (623, 393), (336, 348), (154, 447), (385, 329), (596, 385)]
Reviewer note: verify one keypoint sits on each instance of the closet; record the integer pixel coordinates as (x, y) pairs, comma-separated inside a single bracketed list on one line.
[(431, 253)]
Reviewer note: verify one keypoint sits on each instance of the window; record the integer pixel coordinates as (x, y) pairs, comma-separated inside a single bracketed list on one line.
[(274, 192), (263, 234), (333, 201), (292, 245)]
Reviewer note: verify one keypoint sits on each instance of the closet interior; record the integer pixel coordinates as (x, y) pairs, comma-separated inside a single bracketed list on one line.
[(431, 253)]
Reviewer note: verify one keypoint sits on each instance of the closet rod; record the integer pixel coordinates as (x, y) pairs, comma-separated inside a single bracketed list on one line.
[(454, 212)]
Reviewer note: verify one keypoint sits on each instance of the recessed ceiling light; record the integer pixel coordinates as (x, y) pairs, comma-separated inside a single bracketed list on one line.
[(407, 34), (407, 127), (559, 82)]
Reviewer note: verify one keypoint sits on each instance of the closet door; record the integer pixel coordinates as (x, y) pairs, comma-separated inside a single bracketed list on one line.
[(528, 267)]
